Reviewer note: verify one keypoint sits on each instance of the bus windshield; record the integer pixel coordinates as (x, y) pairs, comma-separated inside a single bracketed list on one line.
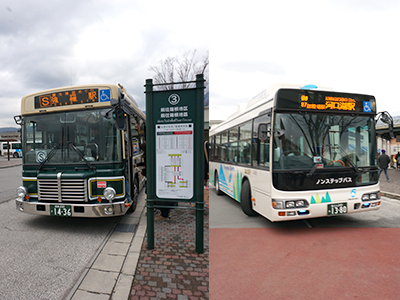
[(306, 141), (71, 137)]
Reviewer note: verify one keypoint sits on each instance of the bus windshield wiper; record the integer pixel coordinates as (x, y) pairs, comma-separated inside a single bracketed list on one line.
[(51, 153), (91, 167), (346, 158), (312, 171)]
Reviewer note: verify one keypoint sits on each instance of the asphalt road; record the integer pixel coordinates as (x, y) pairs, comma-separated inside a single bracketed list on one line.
[(10, 179), (43, 257)]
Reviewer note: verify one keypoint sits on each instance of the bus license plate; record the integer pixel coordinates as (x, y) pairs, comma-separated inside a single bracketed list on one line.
[(61, 210), (337, 209)]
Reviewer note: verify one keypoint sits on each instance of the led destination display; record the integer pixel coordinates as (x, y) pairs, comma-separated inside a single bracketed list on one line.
[(67, 98), (315, 100)]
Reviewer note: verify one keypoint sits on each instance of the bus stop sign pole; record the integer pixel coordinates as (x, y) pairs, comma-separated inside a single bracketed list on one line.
[(174, 152)]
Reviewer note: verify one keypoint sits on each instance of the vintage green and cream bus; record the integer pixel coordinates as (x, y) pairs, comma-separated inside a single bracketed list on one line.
[(82, 146)]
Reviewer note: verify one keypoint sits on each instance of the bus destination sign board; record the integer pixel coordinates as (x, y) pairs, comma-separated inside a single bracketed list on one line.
[(325, 101), (67, 98)]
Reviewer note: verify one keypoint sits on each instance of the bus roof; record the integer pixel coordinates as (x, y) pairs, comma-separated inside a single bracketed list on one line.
[(30, 104), (266, 95)]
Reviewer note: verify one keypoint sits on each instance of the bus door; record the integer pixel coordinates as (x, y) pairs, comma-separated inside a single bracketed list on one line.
[(260, 177)]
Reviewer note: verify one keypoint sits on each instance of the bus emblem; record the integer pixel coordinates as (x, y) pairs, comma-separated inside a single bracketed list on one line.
[(41, 156)]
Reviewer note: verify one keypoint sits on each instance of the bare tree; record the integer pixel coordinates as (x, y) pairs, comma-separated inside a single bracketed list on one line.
[(180, 70)]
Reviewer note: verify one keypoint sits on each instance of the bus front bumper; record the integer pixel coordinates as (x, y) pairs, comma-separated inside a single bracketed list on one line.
[(73, 209)]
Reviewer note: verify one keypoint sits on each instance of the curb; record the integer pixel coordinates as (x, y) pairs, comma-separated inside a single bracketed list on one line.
[(110, 274), (391, 195)]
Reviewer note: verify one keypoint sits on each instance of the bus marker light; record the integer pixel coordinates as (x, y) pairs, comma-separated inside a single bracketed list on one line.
[(127, 204), (379, 202), (277, 204), (99, 199), (253, 199), (281, 214), (27, 197)]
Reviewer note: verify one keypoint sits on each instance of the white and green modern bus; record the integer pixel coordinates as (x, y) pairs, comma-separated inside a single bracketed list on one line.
[(297, 153), (82, 146)]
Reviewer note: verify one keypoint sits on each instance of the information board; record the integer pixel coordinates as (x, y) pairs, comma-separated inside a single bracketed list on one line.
[(174, 161)]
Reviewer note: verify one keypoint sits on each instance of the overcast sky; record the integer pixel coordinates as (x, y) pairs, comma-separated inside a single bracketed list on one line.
[(52, 43), (349, 45)]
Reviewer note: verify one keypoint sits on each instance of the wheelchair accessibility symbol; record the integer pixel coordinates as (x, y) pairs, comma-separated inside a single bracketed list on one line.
[(104, 95), (367, 106)]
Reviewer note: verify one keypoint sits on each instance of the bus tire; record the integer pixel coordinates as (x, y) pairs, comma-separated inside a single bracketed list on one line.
[(245, 200), (15, 155), (135, 196), (219, 192)]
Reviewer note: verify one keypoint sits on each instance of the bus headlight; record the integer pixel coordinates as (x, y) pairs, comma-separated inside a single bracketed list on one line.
[(22, 192), (371, 196), (289, 204), (109, 193)]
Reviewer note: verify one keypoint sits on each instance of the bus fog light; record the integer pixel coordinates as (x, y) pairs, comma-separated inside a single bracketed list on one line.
[(289, 204), (109, 193), (21, 206), (108, 210), (22, 192)]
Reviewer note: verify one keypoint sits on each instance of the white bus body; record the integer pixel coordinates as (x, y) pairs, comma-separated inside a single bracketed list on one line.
[(15, 149), (297, 153)]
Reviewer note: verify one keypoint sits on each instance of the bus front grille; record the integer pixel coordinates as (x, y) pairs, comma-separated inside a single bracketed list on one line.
[(62, 190)]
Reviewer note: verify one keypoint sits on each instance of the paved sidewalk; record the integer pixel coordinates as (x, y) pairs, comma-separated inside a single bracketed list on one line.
[(391, 189), (5, 163), (173, 269)]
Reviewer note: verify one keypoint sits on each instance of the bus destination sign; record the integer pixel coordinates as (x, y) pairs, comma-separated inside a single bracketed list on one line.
[(326, 101), (331, 103), (63, 98)]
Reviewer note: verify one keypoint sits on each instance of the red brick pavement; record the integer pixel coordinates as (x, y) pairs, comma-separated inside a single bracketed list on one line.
[(173, 269)]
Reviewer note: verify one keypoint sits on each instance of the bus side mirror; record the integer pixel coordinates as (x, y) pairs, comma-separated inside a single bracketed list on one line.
[(120, 118), (264, 131)]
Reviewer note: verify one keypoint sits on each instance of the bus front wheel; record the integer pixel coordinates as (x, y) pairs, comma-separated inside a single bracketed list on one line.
[(217, 184), (135, 196), (245, 199)]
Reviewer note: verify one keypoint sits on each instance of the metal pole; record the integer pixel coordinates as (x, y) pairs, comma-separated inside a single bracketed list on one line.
[(150, 157), (8, 150), (199, 188)]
